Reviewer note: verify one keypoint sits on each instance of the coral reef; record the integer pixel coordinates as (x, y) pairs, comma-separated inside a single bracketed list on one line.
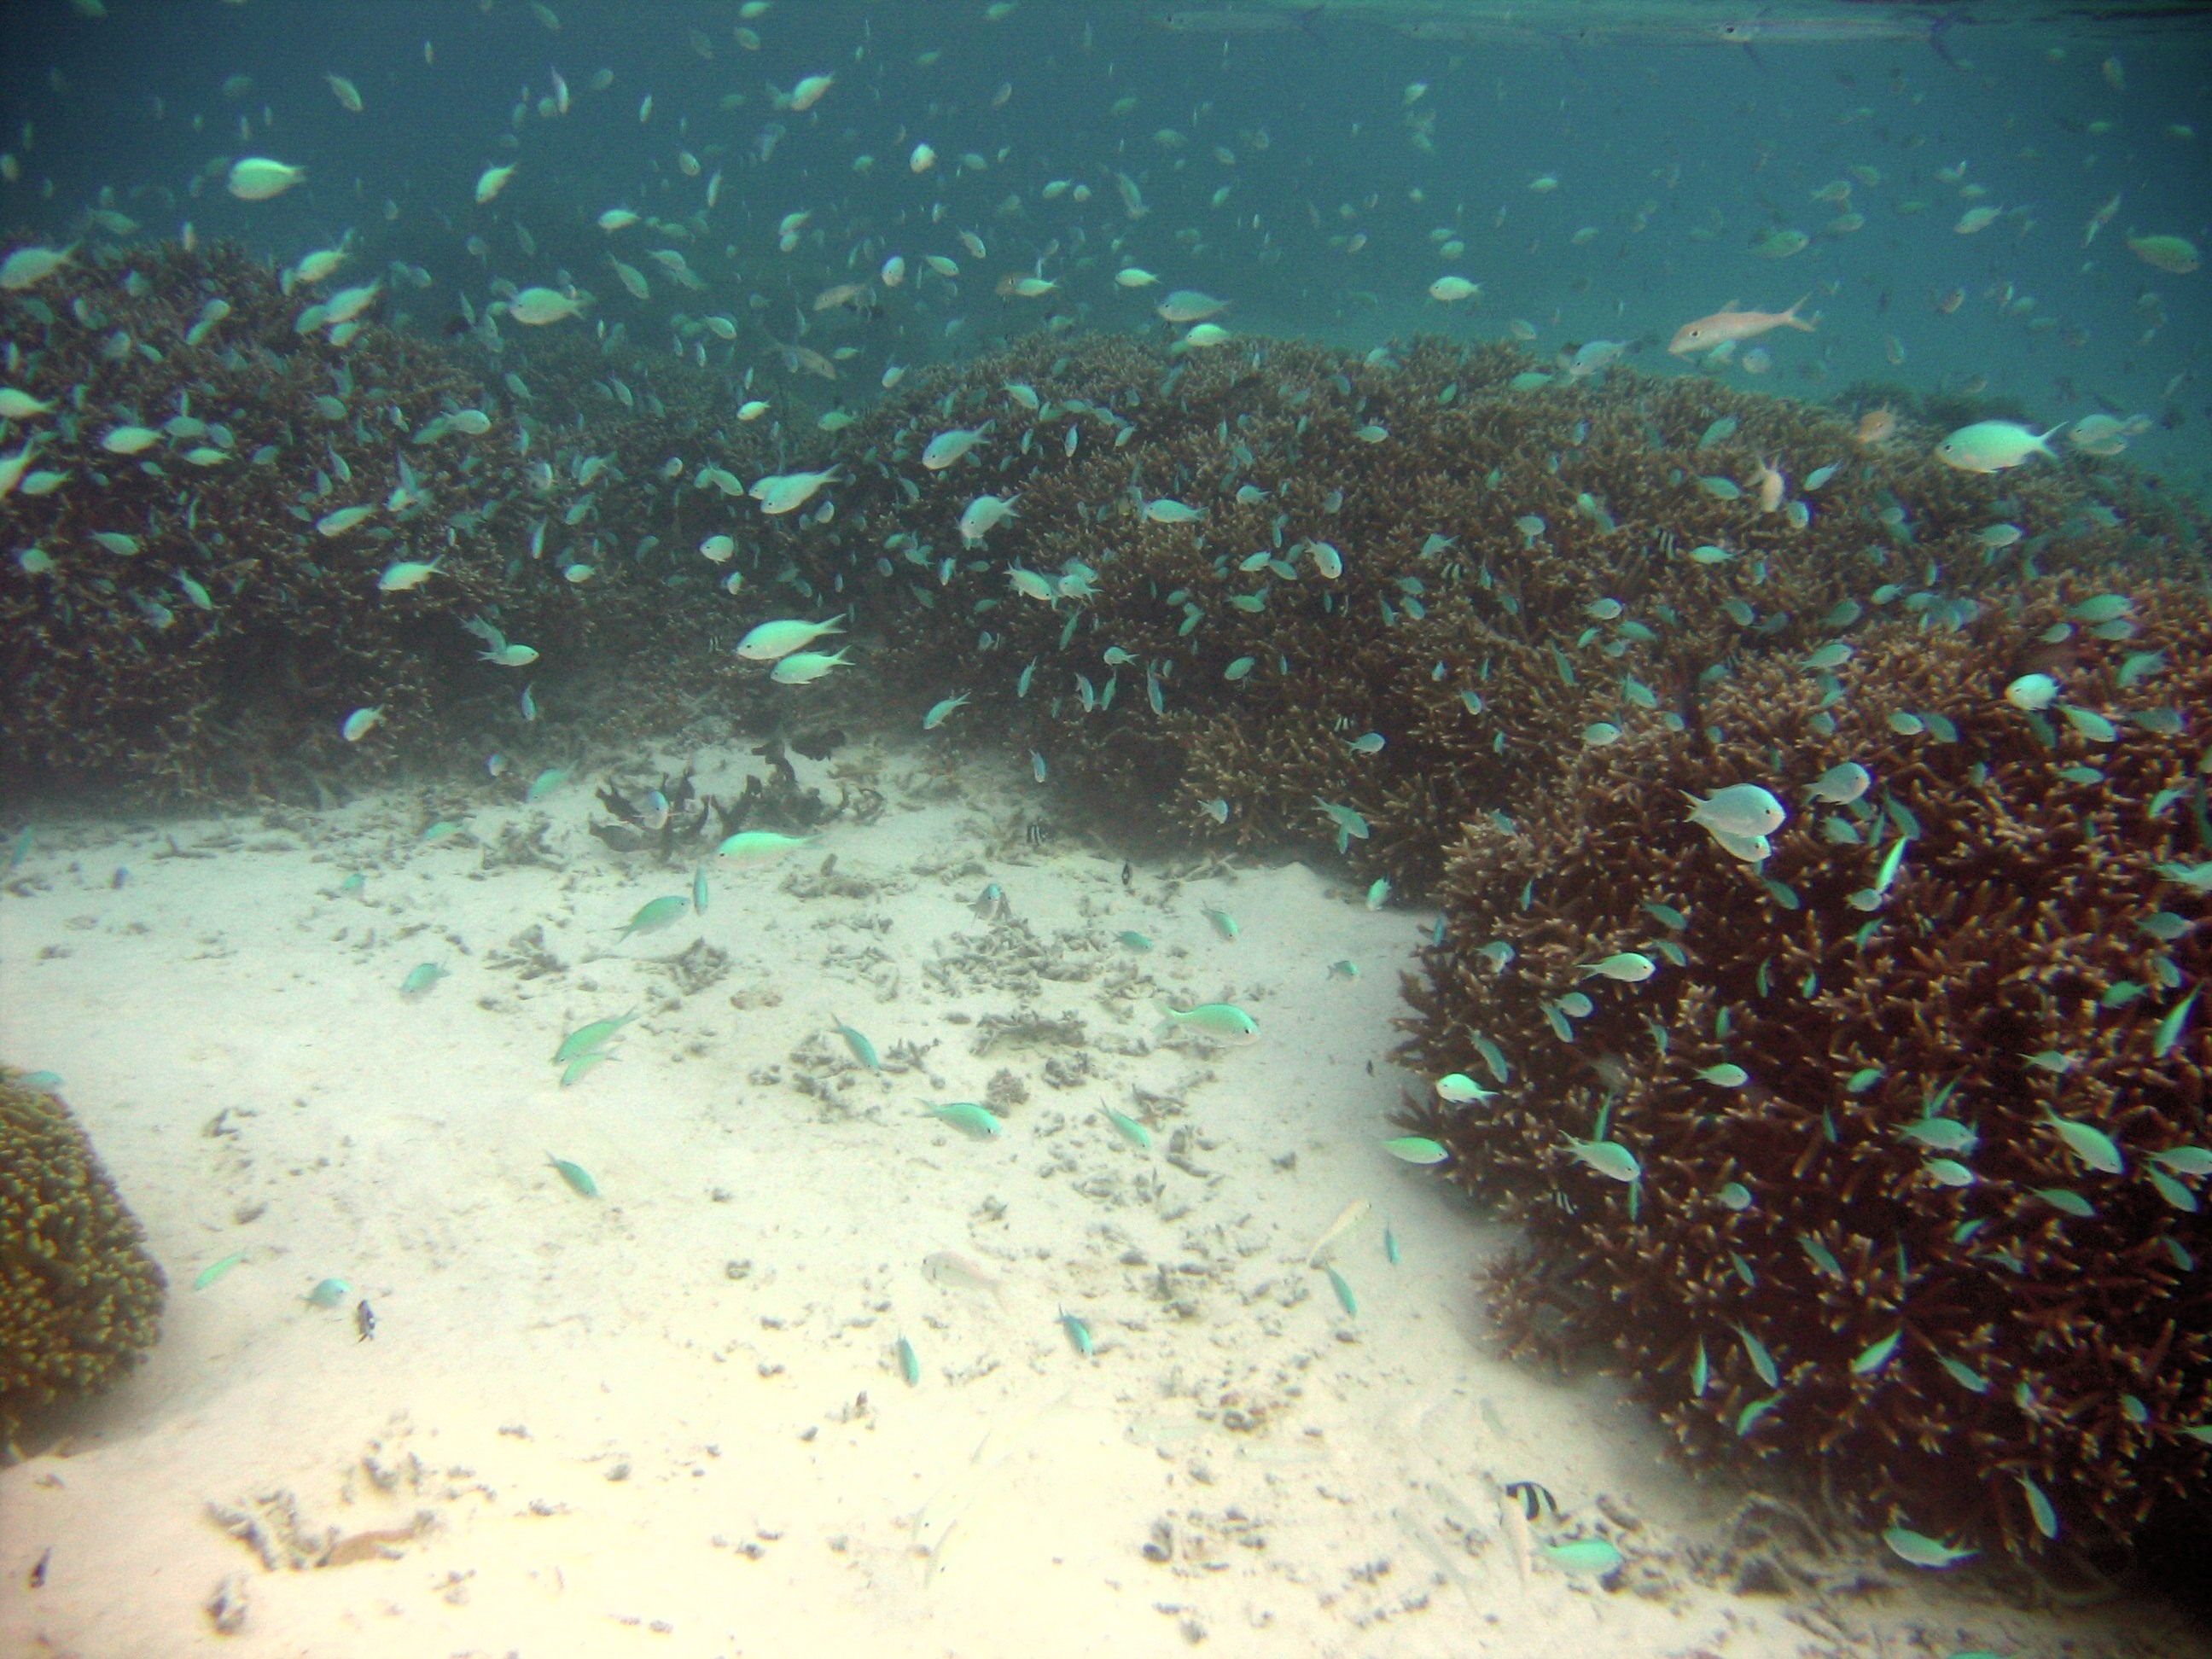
[(1469, 619), (1518, 566), (1917, 1158), (192, 598), (80, 1299)]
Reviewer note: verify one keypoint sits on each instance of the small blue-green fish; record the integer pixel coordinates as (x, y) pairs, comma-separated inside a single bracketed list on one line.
[(1921, 1550), (1345, 1299), (2039, 1508), (1667, 915), (1761, 1360), (1726, 1075), (1379, 893), (1221, 1022), (1133, 940), (1593, 1557), (440, 831), (1223, 923), (215, 1270), (2105, 607), (1721, 489), (1239, 669), (1743, 810), (574, 1070), (1840, 785), (1748, 1417), (1369, 742), (1701, 1371), (1630, 967), (1459, 1088), (2088, 1143), (2139, 666), (530, 702), (941, 712), (1735, 1195), (2066, 1202), (579, 1179), (1344, 967), (544, 784), (976, 1123), (20, 848), (655, 915), (1346, 819), (1036, 766), (353, 883), (1609, 1157), (1493, 1057), (1417, 1149), (2182, 1160), (1949, 1172), (1079, 1333), (421, 978), (1129, 1129), (2170, 1028), (1216, 810), (1166, 510), (1390, 1252), (1872, 1358), (699, 891), (50, 1082), (2198, 878), (359, 724), (910, 1362), (1943, 1134), (586, 1038), (749, 846), (863, 1050), (329, 1293)]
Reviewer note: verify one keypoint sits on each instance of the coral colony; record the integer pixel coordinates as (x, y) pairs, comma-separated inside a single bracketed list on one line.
[(1818, 817)]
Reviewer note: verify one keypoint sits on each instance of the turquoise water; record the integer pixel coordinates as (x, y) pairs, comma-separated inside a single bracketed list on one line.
[(1603, 172)]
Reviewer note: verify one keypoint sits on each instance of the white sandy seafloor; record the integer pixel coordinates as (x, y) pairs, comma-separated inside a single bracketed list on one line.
[(670, 1419)]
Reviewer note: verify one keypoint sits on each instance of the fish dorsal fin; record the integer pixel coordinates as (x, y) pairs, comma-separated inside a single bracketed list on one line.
[(1731, 305)]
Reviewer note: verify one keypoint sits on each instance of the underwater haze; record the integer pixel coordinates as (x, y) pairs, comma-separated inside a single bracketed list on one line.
[(860, 828), (1949, 187)]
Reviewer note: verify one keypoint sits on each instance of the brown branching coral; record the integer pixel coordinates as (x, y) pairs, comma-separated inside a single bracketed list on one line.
[(1517, 568), (1917, 1104), (80, 1299)]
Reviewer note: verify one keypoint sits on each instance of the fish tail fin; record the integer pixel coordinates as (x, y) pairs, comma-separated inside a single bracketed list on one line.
[(1792, 319)]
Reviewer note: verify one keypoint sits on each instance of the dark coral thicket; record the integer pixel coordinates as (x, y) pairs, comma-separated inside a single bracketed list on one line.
[(2022, 968)]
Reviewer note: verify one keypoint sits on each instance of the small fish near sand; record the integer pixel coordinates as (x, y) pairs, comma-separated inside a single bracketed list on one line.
[(1218, 1022)]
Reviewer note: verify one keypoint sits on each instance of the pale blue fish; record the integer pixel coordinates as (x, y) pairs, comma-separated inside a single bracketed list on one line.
[(975, 1122), (863, 1050)]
